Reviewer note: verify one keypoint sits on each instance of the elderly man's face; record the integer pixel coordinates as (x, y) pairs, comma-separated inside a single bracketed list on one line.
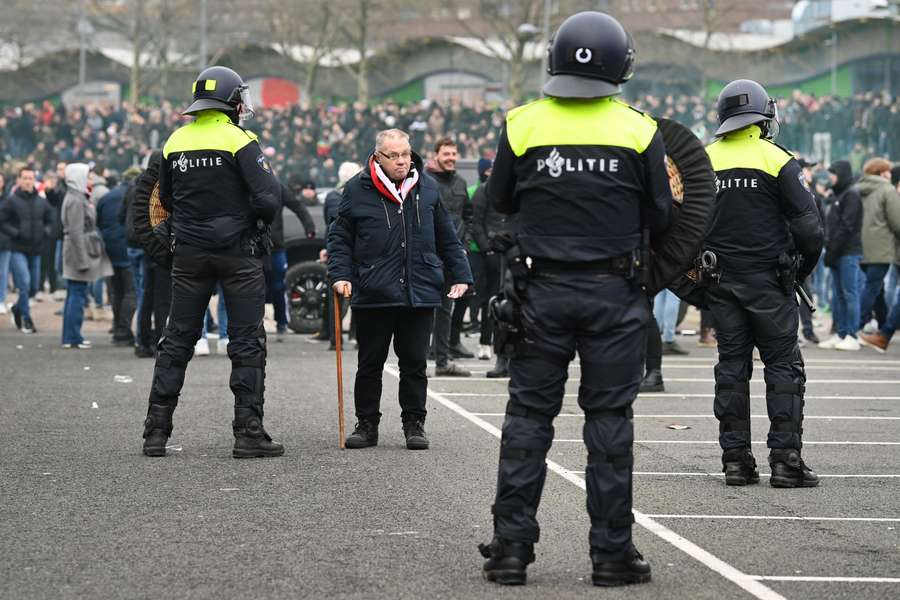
[(446, 158), (395, 158)]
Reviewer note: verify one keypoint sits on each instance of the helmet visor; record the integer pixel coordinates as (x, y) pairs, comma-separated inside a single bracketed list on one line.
[(247, 111)]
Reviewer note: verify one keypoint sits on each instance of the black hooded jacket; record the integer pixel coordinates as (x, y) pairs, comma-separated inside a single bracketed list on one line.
[(844, 227), (290, 201), (26, 219)]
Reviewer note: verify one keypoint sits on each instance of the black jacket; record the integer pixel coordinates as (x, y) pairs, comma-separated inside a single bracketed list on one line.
[(394, 256), (55, 197), (126, 218), (26, 219), (844, 228), (487, 220), (290, 201), (332, 204), (154, 241), (455, 198)]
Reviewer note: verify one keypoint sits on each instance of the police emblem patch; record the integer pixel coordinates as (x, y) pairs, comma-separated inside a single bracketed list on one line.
[(263, 163)]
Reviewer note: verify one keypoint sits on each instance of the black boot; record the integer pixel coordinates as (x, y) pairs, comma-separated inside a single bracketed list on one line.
[(250, 439), (789, 470), (632, 569), (739, 467), (506, 561), (364, 435), (652, 382), (157, 427), (501, 368), (415, 435)]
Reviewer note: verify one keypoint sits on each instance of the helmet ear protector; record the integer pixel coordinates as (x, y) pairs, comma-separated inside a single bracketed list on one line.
[(586, 55), (739, 100)]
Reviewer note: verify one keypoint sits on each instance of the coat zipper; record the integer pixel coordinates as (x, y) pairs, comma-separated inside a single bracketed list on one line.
[(386, 215)]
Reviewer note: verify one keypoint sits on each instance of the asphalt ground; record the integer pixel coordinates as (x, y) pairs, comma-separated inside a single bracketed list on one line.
[(84, 515)]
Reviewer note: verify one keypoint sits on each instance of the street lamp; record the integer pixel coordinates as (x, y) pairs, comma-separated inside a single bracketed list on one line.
[(85, 30)]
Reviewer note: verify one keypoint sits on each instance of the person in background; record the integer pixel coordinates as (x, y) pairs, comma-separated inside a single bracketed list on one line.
[(84, 260), (277, 262), (5, 253)]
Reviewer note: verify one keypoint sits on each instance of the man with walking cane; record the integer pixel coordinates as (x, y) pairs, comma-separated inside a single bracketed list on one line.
[(387, 251)]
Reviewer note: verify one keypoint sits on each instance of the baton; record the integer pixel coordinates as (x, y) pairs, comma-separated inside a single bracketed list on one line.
[(804, 297), (338, 338)]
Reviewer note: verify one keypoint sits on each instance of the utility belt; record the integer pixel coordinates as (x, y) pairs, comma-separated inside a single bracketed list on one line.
[(625, 265)]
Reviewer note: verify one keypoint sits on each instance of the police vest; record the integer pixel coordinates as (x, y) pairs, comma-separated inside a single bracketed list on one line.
[(202, 175), (748, 228), (580, 177)]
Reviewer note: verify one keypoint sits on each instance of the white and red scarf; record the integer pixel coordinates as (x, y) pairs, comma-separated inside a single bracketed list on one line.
[(396, 193)]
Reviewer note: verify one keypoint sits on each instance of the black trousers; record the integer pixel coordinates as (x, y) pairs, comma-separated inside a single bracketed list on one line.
[(155, 303), (487, 282), (410, 329), (124, 302), (604, 319), (48, 266), (654, 345), (194, 278), (749, 310)]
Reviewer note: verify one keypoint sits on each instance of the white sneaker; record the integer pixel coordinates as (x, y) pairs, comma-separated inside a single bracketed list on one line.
[(221, 347), (39, 297), (871, 327), (201, 348), (484, 352), (3, 309), (848, 344), (830, 343)]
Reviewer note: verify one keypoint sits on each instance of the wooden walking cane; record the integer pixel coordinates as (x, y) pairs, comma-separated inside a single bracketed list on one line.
[(338, 335)]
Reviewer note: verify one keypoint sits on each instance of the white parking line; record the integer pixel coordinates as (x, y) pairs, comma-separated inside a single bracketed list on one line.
[(685, 396), (712, 416), (779, 518), (762, 442), (480, 368), (702, 474), (742, 580), (825, 579)]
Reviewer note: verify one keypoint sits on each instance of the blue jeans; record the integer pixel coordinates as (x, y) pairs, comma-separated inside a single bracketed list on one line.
[(221, 315), (822, 282), (890, 286), (26, 270), (136, 258), (665, 311), (73, 311), (95, 291), (4, 273), (874, 285), (275, 282), (846, 295)]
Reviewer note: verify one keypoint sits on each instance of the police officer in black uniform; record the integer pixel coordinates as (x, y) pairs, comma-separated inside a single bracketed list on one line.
[(766, 233), (585, 172), (220, 189)]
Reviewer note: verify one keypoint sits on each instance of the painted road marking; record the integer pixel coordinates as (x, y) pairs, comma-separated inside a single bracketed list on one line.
[(684, 396), (762, 442), (826, 579), (779, 518), (742, 580), (712, 416), (702, 474)]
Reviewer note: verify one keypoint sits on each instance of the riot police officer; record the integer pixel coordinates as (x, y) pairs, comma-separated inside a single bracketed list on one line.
[(585, 172), (222, 194), (766, 233)]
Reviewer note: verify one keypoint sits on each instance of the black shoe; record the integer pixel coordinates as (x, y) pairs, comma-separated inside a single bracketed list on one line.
[(500, 370), (251, 439), (672, 348), (28, 325), (365, 435), (451, 370), (789, 470), (144, 352), (506, 561), (281, 334), (415, 435), (157, 428), (739, 467), (123, 342), (811, 337), (15, 316), (632, 569), (457, 350), (652, 382)]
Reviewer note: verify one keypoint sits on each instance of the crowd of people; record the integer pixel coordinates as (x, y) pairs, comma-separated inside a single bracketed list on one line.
[(309, 142), (307, 145)]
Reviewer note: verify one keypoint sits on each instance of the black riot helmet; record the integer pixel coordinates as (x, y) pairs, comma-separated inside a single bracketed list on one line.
[(744, 102), (590, 56), (220, 88)]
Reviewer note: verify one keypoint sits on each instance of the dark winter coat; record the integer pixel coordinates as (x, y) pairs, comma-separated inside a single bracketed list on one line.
[(155, 241), (487, 220), (110, 228), (455, 198), (844, 227), (26, 219), (126, 218), (395, 256), (290, 201)]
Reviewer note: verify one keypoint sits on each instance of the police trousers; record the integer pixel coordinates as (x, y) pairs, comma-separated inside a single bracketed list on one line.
[(604, 319), (194, 278), (750, 309)]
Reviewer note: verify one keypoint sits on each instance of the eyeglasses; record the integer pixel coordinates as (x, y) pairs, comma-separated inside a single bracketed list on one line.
[(394, 156)]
